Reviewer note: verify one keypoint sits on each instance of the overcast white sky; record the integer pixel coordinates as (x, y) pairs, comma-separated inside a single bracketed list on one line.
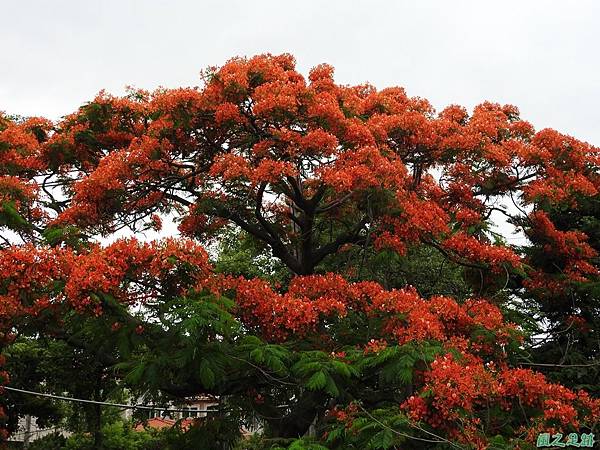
[(541, 55)]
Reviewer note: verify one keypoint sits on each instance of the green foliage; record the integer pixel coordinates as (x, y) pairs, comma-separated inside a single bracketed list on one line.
[(320, 372), (379, 429), (47, 366), (116, 436), (68, 235), (569, 348), (241, 254), (54, 441), (422, 267), (302, 444), (273, 357), (11, 218), (210, 434), (396, 364)]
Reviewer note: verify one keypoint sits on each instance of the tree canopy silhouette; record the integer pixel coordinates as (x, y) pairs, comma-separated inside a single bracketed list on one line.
[(345, 210)]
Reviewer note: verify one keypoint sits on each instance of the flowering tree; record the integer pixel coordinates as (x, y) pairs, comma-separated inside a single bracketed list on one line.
[(310, 171)]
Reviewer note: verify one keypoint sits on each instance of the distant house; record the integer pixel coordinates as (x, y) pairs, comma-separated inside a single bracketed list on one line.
[(163, 417), (29, 431), (159, 418), (194, 408), (199, 406), (160, 423)]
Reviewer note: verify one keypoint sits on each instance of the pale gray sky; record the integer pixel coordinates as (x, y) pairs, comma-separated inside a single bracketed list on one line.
[(539, 55)]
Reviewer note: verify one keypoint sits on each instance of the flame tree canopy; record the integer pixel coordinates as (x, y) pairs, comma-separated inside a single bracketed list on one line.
[(334, 265)]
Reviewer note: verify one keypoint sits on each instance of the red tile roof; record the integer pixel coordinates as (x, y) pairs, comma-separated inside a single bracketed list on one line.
[(159, 422)]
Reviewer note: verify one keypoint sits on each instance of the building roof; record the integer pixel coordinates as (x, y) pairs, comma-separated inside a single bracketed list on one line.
[(159, 423)]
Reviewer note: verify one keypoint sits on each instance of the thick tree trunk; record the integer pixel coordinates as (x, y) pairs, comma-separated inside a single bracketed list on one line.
[(298, 422)]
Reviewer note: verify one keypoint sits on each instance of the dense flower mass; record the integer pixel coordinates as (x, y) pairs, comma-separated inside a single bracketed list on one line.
[(38, 279), (320, 183), (323, 147), (311, 301), (457, 387)]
